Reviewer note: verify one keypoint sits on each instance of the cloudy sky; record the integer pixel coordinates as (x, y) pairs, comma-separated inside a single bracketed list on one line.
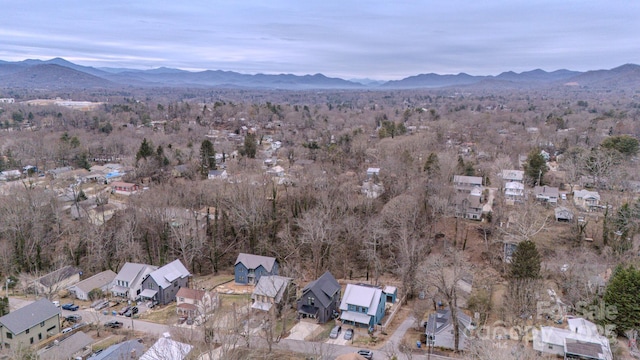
[(374, 39)]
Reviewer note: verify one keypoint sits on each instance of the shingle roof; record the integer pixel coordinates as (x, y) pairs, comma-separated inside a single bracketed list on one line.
[(191, 293), (324, 288), (96, 281), (130, 271), (55, 276), (29, 316), (272, 286), (67, 347), (120, 351), (165, 275), (442, 317), (253, 261)]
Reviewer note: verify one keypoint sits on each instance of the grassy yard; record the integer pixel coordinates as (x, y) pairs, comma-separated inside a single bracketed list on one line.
[(111, 340), (161, 315), (227, 301)]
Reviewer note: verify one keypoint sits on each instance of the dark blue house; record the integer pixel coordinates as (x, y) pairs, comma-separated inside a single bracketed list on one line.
[(249, 268)]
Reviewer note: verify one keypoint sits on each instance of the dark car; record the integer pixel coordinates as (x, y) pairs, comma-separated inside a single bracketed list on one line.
[(124, 310), (73, 318), (335, 332), (348, 335), (70, 306), (113, 324), (131, 312), (367, 354)]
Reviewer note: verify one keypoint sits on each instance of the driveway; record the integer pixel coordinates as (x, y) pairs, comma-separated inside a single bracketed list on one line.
[(302, 330)]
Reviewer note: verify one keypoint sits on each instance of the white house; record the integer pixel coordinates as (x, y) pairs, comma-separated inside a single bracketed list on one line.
[(514, 191), (100, 281), (128, 282), (167, 348), (580, 340)]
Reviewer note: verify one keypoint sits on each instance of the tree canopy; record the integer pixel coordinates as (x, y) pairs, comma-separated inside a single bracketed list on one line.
[(525, 263), (621, 299), (535, 167), (207, 156), (624, 144)]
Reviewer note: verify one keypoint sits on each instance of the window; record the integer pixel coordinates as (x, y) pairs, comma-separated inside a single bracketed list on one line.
[(175, 283), (551, 347), (9, 335), (181, 299), (151, 285), (311, 300), (27, 331), (42, 324), (7, 346), (40, 336), (51, 328), (31, 341)]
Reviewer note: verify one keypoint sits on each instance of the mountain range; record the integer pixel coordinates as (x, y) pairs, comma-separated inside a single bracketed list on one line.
[(59, 73)]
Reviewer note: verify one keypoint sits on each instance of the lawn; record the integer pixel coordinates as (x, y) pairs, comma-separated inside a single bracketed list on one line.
[(161, 315), (227, 301)]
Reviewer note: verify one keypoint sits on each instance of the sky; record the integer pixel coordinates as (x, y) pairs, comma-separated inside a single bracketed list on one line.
[(351, 39)]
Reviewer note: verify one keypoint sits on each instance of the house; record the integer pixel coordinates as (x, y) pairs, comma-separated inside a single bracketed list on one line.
[(193, 303), (163, 284), (580, 340), (587, 200), (469, 205), (466, 183), (10, 175), (102, 281), (320, 299), (512, 176), (546, 194), (371, 189), (124, 188), (124, 350), (563, 214), (249, 268), (167, 348), (128, 282), (362, 305), (29, 325), (514, 191), (58, 280), (273, 290), (58, 172), (73, 347), (217, 174), (373, 173), (439, 331)]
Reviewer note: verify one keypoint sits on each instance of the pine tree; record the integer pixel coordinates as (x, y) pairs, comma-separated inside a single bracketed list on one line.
[(250, 146), (146, 150), (535, 167), (622, 295), (525, 263), (207, 156)]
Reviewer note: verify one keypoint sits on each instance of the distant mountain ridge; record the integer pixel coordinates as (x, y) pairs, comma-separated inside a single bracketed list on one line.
[(59, 73)]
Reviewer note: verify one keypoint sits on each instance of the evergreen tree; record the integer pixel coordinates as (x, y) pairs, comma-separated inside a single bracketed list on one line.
[(535, 167), (250, 146), (207, 156), (525, 263), (146, 150), (622, 295), (432, 165)]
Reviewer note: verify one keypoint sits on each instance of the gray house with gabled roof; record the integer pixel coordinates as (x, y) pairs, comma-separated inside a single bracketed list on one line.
[(249, 268), (124, 350), (29, 325), (439, 330), (320, 299), (163, 284)]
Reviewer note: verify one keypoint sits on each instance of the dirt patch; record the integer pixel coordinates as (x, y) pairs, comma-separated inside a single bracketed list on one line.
[(161, 315), (210, 282), (233, 288)]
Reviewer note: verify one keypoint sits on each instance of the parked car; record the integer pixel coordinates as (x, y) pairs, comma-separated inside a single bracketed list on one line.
[(73, 318), (66, 330), (367, 354), (348, 335), (335, 332), (56, 303), (113, 324), (70, 306), (124, 310), (75, 326), (131, 312)]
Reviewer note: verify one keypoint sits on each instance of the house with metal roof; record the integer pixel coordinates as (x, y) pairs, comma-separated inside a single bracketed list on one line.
[(580, 340), (249, 268), (58, 279), (362, 305), (101, 280), (128, 282), (272, 290), (320, 299), (29, 325), (163, 284), (124, 350), (439, 330), (167, 348)]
